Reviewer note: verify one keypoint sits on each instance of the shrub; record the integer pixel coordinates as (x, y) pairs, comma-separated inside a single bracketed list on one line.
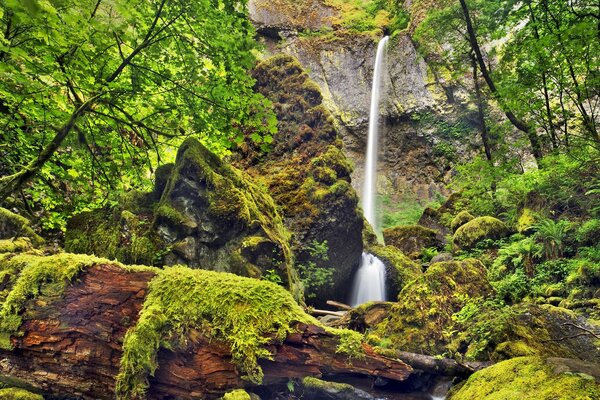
[(553, 235)]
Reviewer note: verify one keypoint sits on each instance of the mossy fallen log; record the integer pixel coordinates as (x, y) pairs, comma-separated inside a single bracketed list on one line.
[(95, 329)]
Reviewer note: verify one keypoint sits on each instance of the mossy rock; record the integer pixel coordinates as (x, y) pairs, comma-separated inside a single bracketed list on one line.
[(238, 394), (526, 220), (308, 176), (18, 394), (461, 218), (317, 389), (469, 234), (411, 239), (14, 226), (526, 329), (214, 216), (533, 378), (115, 233), (400, 270), (425, 306)]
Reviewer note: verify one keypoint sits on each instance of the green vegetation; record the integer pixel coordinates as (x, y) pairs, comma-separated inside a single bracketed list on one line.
[(244, 313), (239, 394), (18, 394), (530, 377), (472, 232)]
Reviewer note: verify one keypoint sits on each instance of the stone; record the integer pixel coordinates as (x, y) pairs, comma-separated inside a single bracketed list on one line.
[(411, 239), (317, 389), (469, 234), (533, 378), (441, 257)]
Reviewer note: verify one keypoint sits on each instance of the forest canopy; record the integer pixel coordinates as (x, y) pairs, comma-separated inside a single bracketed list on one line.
[(95, 94)]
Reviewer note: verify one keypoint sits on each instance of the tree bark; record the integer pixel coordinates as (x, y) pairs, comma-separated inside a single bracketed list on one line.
[(72, 345), (521, 125)]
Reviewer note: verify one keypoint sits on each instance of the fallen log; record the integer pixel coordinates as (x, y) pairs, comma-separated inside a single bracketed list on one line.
[(337, 304), (441, 366), (70, 342)]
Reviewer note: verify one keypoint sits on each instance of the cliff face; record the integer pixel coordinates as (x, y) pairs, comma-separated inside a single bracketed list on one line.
[(420, 115)]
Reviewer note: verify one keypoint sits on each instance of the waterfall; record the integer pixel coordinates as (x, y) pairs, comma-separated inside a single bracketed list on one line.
[(369, 281), (369, 193)]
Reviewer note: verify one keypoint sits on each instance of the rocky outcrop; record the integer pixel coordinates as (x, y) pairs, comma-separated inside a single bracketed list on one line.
[(308, 175)]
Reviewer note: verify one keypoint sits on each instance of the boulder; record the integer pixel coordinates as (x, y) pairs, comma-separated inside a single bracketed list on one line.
[(469, 234), (533, 378), (441, 257), (525, 330), (411, 239), (425, 306), (317, 389), (460, 219)]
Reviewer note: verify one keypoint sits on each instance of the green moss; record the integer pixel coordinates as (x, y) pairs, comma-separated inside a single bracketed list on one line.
[(461, 218), (14, 225), (18, 394), (526, 220), (411, 239), (238, 394), (418, 322), (37, 276), (529, 378), (478, 229), (244, 313), (115, 234), (310, 382), (15, 245)]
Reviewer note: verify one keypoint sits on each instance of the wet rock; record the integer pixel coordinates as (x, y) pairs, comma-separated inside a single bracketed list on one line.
[(316, 389), (411, 239)]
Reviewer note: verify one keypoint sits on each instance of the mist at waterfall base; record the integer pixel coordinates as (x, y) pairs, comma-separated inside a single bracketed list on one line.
[(369, 281)]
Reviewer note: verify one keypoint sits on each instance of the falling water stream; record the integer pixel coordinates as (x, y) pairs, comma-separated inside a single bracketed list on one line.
[(369, 281)]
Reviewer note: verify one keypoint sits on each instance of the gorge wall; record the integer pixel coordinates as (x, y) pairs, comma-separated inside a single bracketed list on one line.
[(422, 132)]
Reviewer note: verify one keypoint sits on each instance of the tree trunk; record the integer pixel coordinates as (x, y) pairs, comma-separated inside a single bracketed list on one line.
[(72, 345), (536, 148)]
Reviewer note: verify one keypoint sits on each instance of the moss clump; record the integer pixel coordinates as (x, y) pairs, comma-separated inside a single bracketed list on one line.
[(13, 225), (114, 233), (15, 245), (527, 219), (461, 218), (531, 378), (425, 307), (37, 276), (478, 229), (238, 394), (318, 388), (245, 313), (18, 394)]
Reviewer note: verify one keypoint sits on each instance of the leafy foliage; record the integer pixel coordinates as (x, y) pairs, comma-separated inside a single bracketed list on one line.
[(106, 90)]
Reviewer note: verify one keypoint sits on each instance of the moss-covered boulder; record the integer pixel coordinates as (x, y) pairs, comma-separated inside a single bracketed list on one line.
[(411, 239), (13, 226), (239, 394), (441, 218), (425, 307), (492, 333), (317, 389), (460, 219), (308, 176), (533, 378), (400, 270), (478, 229)]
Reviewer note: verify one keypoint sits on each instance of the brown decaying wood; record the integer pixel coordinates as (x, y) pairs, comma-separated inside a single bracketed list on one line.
[(72, 345)]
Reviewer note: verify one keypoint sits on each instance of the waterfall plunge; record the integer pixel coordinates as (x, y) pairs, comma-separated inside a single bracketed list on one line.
[(369, 281)]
